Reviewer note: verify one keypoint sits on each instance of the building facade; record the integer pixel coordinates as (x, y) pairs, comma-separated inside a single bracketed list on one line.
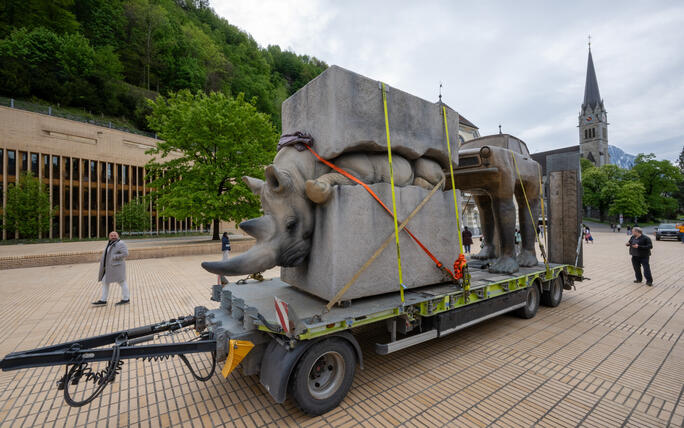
[(90, 172), (593, 120)]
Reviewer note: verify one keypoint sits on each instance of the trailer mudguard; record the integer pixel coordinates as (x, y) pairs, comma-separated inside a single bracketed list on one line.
[(279, 362)]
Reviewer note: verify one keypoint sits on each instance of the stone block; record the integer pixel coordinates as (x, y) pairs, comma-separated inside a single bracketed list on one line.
[(352, 226), (343, 111)]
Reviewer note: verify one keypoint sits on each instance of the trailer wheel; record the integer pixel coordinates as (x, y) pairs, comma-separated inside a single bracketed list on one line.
[(323, 376), (554, 295), (532, 304)]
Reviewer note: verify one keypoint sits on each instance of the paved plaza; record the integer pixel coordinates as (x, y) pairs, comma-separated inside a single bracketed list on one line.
[(611, 354)]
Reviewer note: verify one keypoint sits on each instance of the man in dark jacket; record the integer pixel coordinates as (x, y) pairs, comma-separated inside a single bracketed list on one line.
[(640, 249), (225, 249), (467, 237)]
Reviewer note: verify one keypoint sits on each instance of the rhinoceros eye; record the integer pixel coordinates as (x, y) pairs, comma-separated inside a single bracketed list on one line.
[(291, 225)]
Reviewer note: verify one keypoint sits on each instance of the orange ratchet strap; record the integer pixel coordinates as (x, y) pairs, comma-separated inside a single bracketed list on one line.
[(377, 198)]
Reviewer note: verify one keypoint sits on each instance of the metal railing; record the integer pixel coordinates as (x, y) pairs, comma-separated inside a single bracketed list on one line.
[(66, 114)]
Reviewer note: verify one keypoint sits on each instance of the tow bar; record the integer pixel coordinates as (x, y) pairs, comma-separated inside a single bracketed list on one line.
[(77, 355)]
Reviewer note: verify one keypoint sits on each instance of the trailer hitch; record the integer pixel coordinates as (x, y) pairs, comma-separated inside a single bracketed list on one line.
[(77, 355)]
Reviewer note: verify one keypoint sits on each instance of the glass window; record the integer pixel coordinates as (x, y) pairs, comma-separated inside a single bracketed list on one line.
[(103, 199), (124, 170), (2, 161), (85, 170), (34, 164), (23, 156), (93, 226), (119, 197), (125, 197), (110, 199), (55, 167), (103, 173), (74, 201), (74, 222), (67, 199), (109, 172), (93, 171), (55, 226), (134, 175), (140, 176), (46, 166), (66, 226), (2, 192), (55, 196), (118, 173), (93, 199), (67, 168), (11, 162), (85, 199), (75, 163)]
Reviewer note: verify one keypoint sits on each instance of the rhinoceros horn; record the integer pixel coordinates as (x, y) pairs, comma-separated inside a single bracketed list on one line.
[(259, 258)]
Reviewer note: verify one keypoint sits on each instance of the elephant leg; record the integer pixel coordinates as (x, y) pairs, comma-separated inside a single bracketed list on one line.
[(504, 217), (528, 253), (320, 189), (487, 225)]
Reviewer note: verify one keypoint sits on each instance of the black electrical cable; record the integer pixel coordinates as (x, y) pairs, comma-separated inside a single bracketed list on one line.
[(101, 378), (192, 371)]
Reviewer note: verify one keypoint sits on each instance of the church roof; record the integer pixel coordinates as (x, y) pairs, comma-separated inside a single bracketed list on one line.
[(592, 97)]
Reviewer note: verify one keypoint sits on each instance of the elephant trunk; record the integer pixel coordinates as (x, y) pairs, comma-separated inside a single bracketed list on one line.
[(257, 259)]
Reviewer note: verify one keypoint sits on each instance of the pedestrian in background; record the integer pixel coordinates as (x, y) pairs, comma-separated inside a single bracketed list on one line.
[(225, 249), (467, 238), (113, 269), (640, 249), (680, 227), (629, 230)]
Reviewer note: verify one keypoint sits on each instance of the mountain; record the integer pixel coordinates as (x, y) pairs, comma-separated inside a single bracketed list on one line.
[(110, 56), (620, 158)]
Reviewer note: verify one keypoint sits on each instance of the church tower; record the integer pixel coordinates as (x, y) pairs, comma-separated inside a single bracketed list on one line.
[(593, 124)]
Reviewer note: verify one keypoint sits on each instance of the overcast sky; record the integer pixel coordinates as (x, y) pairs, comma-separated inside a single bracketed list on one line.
[(521, 64)]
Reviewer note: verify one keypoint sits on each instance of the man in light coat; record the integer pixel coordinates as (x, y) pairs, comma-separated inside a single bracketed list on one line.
[(113, 269)]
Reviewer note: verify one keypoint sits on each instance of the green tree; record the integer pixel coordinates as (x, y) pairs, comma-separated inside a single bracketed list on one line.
[(660, 180), (133, 217), (54, 14), (28, 207), (629, 200), (218, 139), (601, 184)]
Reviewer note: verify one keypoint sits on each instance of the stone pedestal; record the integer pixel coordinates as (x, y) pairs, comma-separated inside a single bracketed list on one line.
[(352, 226)]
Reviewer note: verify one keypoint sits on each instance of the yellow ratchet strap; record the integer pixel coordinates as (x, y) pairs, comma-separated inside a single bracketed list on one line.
[(394, 200)]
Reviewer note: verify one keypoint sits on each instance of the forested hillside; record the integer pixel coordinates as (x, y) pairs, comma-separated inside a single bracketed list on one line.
[(107, 56)]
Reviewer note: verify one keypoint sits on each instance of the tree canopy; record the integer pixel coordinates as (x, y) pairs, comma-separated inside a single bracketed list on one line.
[(660, 180), (215, 139), (108, 56), (133, 217), (28, 207)]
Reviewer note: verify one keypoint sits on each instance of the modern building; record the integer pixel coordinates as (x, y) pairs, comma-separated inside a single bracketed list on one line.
[(593, 121), (90, 171)]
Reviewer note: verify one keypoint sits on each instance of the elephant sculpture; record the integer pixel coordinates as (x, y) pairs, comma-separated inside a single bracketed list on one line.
[(488, 171), (293, 184)]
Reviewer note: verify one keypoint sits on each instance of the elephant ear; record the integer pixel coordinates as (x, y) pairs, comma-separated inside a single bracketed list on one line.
[(254, 184)]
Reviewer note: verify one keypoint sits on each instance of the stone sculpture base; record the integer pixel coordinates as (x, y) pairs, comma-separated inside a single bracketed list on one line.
[(352, 226)]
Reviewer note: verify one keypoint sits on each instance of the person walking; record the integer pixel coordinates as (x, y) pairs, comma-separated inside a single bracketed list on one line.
[(467, 237), (640, 249), (680, 227), (113, 269), (225, 249)]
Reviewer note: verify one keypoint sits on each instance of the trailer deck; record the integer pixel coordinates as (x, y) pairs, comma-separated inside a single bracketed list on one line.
[(256, 298)]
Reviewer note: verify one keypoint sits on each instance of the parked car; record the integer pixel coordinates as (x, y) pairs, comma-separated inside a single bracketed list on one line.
[(667, 230)]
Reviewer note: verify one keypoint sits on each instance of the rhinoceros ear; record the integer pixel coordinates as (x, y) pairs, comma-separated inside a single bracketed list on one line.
[(276, 179), (254, 184)]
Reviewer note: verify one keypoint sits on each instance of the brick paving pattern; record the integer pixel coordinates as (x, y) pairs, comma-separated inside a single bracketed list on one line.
[(611, 354)]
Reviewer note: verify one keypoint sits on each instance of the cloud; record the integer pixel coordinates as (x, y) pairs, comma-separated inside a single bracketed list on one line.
[(521, 64)]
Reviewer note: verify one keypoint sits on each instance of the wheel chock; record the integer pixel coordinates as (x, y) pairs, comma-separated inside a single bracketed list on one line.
[(238, 351)]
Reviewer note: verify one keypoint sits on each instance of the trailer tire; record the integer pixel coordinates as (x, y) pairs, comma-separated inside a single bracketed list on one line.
[(553, 296), (323, 376), (532, 303)]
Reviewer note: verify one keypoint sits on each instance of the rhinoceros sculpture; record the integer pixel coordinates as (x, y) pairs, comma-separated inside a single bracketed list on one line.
[(294, 183)]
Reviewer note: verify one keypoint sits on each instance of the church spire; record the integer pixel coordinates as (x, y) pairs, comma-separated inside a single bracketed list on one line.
[(592, 97)]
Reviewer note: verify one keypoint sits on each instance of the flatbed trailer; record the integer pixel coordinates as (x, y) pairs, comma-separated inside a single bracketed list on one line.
[(315, 359)]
